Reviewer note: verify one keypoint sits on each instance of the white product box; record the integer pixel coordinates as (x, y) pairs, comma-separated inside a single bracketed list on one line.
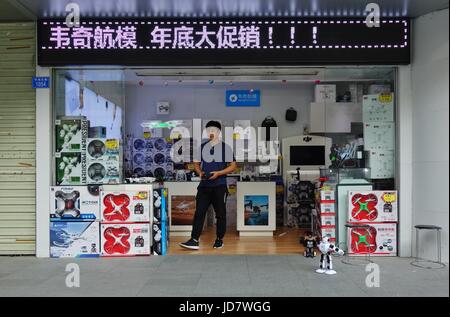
[(328, 221), (71, 168), (325, 93), (378, 108), (327, 195), (74, 239), (125, 206), (373, 206), (71, 134), (381, 164), (379, 239), (125, 239), (379, 136), (327, 208), (330, 232), (102, 149), (105, 172), (376, 89), (79, 203)]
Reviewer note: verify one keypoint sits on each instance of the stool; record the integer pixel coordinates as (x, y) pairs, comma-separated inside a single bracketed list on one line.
[(356, 260), (425, 264)]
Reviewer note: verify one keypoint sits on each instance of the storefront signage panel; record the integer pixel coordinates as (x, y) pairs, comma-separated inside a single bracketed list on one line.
[(203, 42)]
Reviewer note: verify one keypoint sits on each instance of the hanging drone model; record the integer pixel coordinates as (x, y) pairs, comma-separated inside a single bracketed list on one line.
[(326, 263)]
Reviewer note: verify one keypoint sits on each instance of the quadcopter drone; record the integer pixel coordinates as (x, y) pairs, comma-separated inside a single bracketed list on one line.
[(116, 207), (96, 149), (66, 204), (97, 172), (68, 131), (117, 240), (363, 239), (67, 165), (365, 207)]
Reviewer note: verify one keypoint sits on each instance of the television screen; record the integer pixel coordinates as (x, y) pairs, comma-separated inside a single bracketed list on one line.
[(307, 155)]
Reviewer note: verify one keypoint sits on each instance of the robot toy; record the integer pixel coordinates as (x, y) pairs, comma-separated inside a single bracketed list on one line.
[(326, 263), (310, 243)]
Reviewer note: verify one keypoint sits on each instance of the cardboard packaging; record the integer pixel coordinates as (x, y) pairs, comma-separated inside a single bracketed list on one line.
[(373, 206), (125, 239), (380, 239), (74, 239), (74, 203)]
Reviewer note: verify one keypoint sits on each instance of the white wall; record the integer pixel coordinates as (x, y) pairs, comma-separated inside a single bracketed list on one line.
[(430, 102), (208, 102)]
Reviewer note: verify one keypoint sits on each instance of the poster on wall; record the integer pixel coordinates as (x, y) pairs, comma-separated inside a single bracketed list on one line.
[(183, 210), (256, 210)]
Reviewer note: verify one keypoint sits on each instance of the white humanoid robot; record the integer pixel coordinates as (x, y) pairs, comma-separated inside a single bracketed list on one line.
[(326, 262)]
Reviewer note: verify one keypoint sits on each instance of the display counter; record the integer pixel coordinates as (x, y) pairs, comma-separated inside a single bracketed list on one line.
[(256, 208)]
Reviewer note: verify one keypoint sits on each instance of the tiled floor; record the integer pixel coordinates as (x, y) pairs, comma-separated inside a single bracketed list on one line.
[(200, 275)]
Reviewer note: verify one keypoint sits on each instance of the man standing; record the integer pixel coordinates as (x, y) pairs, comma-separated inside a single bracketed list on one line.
[(216, 163)]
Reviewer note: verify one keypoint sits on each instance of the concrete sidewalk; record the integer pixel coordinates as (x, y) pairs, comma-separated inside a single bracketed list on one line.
[(215, 276)]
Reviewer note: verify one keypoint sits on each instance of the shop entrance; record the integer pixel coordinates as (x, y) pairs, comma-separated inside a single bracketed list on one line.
[(327, 141)]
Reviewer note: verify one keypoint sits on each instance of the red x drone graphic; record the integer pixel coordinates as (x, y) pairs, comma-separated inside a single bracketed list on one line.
[(117, 241), (364, 207), (364, 240), (116, 207)]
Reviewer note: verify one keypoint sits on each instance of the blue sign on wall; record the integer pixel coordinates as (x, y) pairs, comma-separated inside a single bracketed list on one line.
[(41, 82), (243, 98)]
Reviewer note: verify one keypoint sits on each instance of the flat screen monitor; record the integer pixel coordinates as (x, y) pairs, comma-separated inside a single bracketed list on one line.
[(307, 155)]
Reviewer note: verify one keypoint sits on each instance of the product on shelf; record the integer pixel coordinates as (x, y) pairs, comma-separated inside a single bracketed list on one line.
[(79, 203), (379, 136), (160, 238), (125, 206), (373, 206), (381, 164), (160, 209), (104, 161), (125, 239), (71, 134), (74, 239), (327, 195), (378, 108), (71, 168), (379, 239)]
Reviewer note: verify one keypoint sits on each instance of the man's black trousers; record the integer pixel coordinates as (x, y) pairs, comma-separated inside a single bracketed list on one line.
[(207, 196)]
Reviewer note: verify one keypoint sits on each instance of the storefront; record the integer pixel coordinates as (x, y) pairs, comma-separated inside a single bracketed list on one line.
[(333, 108)]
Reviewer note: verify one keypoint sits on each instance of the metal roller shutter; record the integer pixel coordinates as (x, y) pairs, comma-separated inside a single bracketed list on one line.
[(17, 139)]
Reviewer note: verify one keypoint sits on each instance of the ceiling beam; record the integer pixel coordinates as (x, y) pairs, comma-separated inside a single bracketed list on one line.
[(22, 9)]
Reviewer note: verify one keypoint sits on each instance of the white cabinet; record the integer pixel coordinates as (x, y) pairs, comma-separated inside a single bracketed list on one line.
[(334, 117)]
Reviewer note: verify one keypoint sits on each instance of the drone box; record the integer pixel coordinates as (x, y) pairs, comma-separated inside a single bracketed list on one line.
[(125, 206), (125, 239), (379, 239), (327, 208), (330, 232), (101, 150), (160, 205), (378, 108), (74, 239), (327, 195), (79, 203), (71, 134), (105, 172), (160, 238), (373, 206), (328, 220), (71, 168)]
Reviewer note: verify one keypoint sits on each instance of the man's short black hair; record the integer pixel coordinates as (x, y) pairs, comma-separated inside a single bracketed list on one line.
[(214, 124)]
